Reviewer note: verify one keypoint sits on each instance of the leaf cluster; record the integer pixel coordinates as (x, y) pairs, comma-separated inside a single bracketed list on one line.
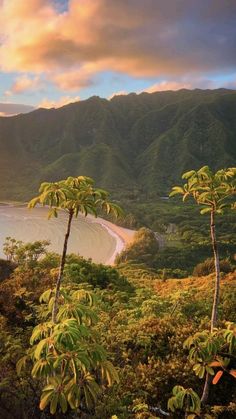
[(186, 400), (212, 350), (74, 195), (66, 356), (213, 191)]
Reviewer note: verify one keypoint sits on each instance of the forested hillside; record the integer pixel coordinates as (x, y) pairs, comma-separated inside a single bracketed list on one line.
[(139, 143)]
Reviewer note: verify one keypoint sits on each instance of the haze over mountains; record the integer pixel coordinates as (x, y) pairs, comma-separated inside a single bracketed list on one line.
[(136, 142), (9, 109)]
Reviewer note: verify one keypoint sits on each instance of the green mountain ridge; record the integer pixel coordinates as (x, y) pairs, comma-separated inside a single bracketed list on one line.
[(135, 142)]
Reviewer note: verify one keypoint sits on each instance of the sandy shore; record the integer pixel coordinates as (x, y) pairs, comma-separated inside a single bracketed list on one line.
[(123, 236)]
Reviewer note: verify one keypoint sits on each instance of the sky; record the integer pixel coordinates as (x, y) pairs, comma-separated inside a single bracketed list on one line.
[(53, 52)]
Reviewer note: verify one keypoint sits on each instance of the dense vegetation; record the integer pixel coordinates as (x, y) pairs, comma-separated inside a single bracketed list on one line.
[(142, 322), (184, 234), (135, 145), (130, 342), (117, 343)]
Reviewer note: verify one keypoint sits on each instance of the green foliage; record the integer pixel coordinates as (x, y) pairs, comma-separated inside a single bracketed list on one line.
[(213, 191), (142, 326), (25, 254), (75, 194), (66, 355), (10, 247), (142, 249), (80, 270), (230, 336), (185, 234), (143, 332), (210, 350), (182, 258), (186, 400), (208, 266), (128, 144)]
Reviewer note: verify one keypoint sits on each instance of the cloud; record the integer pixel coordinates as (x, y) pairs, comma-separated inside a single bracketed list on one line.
[(187, 83), (168, 85), (8, 93), (73, 80), (143, 39), (120, 93), (7, 115), (23, 83), (64, 100)]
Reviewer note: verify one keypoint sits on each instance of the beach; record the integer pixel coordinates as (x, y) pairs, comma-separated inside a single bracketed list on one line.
[(123, 236)]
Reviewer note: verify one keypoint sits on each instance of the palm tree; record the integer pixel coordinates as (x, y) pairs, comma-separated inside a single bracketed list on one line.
[(74, 195), (213, 192)]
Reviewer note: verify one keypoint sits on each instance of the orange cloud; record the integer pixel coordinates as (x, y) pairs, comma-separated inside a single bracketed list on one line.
[(25, 26), (141, 38), (120, 93), (73, 80), (22, 84), (168, 85), (64, 100)]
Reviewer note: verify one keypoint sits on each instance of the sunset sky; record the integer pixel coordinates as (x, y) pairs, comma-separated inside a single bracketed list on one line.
[(57, 51)]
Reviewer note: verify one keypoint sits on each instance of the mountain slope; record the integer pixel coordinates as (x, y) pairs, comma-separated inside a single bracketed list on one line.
[(142, 142)]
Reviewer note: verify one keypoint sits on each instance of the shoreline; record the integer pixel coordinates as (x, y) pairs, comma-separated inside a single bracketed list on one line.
[(123, 236)]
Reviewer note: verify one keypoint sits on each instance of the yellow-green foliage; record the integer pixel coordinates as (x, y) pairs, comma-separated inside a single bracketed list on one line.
[(143, 248), (143, 328)]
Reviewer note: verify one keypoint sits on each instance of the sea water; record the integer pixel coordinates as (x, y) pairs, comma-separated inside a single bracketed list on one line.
[(88, 237)]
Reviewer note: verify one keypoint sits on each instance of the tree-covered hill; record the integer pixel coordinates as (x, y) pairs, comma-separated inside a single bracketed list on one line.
[(135, 142)]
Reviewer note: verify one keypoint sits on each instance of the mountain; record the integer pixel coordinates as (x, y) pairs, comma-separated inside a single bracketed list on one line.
[(138, 143)]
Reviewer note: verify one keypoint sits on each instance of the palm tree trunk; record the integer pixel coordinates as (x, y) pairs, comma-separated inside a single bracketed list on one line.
[(214, 313), (205, 393), (61, 269)]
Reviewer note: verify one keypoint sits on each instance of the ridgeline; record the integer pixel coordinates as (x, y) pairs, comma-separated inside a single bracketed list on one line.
[(134, 145)]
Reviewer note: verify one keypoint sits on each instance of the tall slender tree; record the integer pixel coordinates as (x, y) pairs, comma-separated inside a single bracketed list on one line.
[(214, 193), (74, 195)]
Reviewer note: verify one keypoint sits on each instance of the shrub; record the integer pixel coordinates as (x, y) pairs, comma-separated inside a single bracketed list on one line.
[(6, 269), (80, 270), (172, 273), (208, 266), (143, 249)]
